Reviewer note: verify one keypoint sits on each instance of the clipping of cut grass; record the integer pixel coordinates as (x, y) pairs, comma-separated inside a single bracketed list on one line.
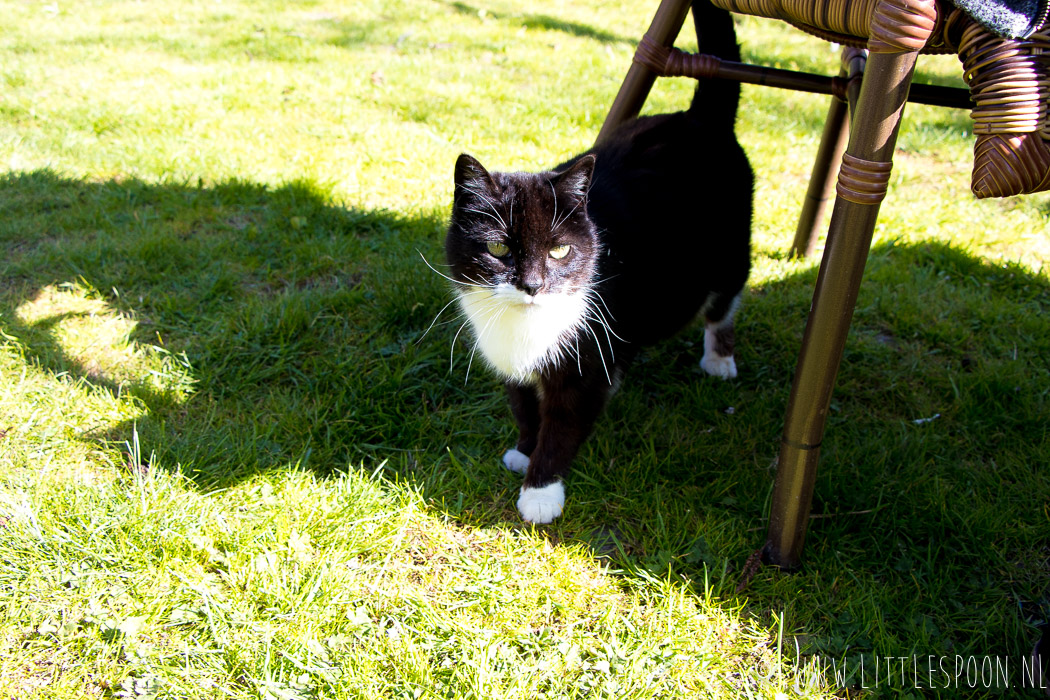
[(235, 463)]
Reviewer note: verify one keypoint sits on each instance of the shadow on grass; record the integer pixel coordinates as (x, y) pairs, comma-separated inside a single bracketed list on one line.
[(273, 296), (300, 321), (532, 21)]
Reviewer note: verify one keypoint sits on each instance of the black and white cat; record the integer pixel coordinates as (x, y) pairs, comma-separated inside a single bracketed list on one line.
[(565, 275)]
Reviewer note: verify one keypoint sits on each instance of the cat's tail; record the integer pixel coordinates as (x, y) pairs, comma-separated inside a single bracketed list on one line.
[(715, 101)]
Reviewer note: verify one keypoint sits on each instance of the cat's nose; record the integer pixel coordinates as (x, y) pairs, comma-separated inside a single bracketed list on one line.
[(531, 284)]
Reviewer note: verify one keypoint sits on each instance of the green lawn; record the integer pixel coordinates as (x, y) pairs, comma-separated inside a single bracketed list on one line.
[(232, 466)]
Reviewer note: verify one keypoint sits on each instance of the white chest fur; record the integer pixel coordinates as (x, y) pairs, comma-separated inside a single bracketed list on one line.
[(518, 334)]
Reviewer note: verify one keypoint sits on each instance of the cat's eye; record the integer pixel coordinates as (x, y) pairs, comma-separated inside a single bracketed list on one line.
[(497, 249), (559, 251)]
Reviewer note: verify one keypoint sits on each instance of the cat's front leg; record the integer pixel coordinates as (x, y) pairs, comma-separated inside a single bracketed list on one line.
[(567, 414), (525, 405)]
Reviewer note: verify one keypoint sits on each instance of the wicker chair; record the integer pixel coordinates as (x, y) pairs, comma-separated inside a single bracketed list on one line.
[(1009, 86)]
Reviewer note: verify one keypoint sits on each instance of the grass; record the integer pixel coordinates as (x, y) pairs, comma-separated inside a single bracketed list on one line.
[(231, 467)]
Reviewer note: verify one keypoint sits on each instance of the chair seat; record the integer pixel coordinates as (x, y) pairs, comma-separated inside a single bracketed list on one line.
[(846, 22)]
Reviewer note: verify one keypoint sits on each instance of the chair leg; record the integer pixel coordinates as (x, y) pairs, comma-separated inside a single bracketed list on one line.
[(829, 155), (861, 187), (663, 31), (822, 179)]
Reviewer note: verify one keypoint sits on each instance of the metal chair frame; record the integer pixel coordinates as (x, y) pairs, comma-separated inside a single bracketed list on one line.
[(875, 83)]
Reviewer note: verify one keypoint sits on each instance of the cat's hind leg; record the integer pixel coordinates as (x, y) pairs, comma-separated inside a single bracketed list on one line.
[(719, 337), (525, 405), (516, 461)]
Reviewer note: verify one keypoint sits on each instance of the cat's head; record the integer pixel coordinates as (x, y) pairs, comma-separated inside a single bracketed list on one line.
[(527, 232)]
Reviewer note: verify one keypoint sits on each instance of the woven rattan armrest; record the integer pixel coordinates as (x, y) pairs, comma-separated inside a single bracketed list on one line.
[(1009, 79)]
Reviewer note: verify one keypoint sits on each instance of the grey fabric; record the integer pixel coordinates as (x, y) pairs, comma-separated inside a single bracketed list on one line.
[(1013, 19)]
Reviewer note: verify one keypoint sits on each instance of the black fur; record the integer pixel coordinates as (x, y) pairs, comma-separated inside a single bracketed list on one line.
[(657, 219)]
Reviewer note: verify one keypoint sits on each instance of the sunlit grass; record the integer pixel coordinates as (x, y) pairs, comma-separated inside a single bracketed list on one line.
[(231, 467)]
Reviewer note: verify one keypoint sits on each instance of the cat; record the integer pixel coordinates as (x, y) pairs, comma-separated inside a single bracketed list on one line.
[(565, 275)]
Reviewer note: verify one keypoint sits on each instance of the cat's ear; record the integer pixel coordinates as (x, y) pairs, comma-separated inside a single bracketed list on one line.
[(576, 180), (471, 176)]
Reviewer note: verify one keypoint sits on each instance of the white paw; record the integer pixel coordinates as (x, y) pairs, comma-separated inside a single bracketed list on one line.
[(516, 461), (542, 505), (718, 366)]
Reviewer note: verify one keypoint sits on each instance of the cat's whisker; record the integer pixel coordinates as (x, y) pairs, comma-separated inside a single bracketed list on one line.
[(470, 358), (591, 317), (458, 317), (480, 194), (427, 262), (597, 343), (603, 320), (590, 286), (566, 217), (499, 218), (494, 216), (601, 355), (594, 291), (450, 303), (452, 350), (487, 286), (554, 218), (470, 361), (476, 291), (489, 202), (434, 322), (471, 282), (604, 316)]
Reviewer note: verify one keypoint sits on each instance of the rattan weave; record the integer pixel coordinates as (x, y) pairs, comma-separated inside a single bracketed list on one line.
[(1009, 79)]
